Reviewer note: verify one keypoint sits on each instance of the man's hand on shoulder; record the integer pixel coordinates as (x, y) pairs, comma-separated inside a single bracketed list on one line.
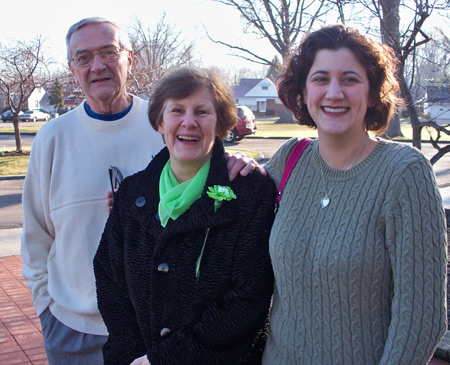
[(242, 164), (141, 361), (109, 201)]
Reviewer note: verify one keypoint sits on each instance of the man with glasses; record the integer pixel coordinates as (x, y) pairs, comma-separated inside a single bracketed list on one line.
[(72, 160)]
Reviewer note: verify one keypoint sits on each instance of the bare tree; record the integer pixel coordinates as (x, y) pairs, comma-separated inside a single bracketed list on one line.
[(405, 33), (155, 51), (275, 69), (444, 61), (280, 22), (438, 57), (22, 70), (232, 76)]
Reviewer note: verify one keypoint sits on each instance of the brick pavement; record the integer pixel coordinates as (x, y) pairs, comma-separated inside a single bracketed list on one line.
[(20, 330)]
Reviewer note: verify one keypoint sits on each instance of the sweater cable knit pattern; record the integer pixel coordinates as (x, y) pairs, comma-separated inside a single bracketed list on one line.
[(362, 281)]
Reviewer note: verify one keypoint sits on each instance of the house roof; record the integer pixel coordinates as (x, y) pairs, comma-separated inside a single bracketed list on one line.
[(438, 94), (45, 99), (245, 85)]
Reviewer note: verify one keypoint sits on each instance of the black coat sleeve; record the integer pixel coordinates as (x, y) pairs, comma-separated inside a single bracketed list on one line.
[(114, 303)]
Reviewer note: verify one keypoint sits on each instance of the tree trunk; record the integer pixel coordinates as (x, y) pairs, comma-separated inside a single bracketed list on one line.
[(17, 133), (286, 116), (416, 126), (394, 129), (390, 34), (412, 112)]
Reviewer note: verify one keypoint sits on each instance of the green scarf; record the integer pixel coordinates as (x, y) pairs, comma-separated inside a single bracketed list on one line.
[(176, 198)]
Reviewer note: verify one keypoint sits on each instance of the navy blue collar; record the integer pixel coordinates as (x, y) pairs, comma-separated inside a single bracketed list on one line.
[(107, 117)]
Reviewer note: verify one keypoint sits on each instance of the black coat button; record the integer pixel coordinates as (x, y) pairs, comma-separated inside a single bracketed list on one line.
[(165, 331), (140, 202), (164, 268)]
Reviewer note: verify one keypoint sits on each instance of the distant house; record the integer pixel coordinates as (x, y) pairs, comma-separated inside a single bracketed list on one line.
[(437, 103), (260, 95), (73, 96), (34, 100)]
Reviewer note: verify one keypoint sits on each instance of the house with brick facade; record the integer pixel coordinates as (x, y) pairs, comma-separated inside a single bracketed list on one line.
[(260, 95)]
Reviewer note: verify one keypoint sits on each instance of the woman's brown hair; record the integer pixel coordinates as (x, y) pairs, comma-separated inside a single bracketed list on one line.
[(377, 58), (182, 82)]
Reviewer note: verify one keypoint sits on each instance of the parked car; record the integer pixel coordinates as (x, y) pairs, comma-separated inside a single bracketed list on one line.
[(8, 116), (34, 115), (246, 124)]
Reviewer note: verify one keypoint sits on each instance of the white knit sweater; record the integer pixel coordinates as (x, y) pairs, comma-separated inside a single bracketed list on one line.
[(64, 207), (363, 280)]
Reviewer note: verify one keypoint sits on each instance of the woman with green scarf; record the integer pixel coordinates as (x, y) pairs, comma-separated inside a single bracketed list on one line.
[(183, 269)]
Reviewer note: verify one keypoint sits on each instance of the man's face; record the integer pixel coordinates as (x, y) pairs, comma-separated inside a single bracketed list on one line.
[(103, 83)]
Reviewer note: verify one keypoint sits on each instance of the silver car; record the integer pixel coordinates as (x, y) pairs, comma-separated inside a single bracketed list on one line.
[(34, 115)]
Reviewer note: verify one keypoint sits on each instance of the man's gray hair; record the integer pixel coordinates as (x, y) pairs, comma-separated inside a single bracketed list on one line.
[(124, 41)]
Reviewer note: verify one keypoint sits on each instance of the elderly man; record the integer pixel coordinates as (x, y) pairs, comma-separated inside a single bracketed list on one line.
[(66, 184)]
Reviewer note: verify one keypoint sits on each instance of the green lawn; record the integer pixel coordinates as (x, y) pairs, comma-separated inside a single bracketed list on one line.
[(32, 129), (269, 128), (266, 128), (18, 165), (13, 165)]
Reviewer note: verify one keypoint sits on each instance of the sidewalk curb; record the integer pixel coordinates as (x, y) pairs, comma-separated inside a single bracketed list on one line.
[(12, 177), (21, 133), (394, 140)]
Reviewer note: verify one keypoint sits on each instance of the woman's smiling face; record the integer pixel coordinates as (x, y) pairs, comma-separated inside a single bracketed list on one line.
[(337, 92), (189, 129)]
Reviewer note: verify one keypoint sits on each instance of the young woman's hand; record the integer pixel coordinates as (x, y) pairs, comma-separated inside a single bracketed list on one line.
[(141, 361)]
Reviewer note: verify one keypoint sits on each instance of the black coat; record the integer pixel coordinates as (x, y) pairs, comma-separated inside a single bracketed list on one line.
[(147, 291)]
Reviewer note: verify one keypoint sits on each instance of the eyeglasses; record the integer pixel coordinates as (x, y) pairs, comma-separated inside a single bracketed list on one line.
[(107, 55), (115, 177)]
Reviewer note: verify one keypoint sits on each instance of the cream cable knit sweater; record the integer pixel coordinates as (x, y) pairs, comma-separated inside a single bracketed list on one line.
[(363, 280), (64, 206)]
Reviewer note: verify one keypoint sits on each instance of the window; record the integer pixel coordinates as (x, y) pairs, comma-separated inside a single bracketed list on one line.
[(265, 88), (262, 106)]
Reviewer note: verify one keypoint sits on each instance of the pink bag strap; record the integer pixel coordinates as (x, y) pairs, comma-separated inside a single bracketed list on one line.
[(291, 161)]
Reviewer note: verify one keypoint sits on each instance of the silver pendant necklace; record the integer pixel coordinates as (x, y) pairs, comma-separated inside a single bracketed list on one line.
[(325, 200)]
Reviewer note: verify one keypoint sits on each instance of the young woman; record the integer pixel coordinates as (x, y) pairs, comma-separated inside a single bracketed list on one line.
[(358, 246), (183, 269)]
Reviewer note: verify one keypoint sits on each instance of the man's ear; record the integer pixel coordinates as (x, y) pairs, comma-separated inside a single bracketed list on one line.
[(130, 60), (70, 67), (73, 72)]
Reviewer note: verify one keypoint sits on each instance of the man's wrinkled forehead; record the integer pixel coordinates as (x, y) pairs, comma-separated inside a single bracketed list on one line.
[(93, 37)]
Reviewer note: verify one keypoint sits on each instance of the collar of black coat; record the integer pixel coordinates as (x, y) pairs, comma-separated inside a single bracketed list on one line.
[(199, 216)]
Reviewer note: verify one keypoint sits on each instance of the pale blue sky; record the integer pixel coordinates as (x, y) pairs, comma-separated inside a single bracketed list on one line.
[(24, 19)]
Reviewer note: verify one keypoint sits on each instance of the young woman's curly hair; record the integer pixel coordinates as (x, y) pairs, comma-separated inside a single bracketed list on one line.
[(378, 59)]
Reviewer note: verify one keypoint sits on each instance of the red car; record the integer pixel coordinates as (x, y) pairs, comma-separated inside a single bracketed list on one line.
[(246, 124)]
